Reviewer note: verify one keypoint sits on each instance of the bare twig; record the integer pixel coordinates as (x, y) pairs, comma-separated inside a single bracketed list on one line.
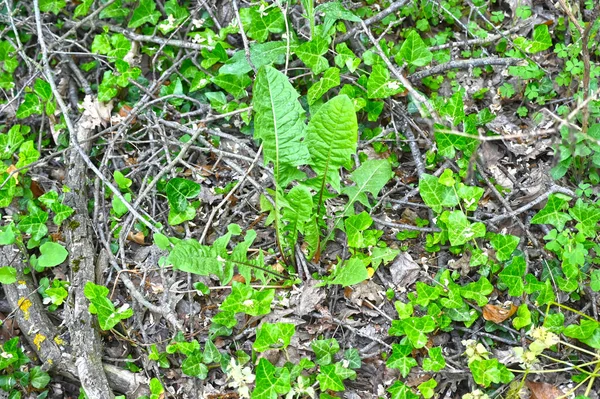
[(464, 64)]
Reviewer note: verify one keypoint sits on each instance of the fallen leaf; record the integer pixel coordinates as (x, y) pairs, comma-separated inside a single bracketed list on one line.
[(404, 270), (498, 313), (543, 390), (138, 237)]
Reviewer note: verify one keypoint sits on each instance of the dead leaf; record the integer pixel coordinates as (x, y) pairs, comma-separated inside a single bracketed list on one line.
[(404, 270), (367, 290), (11, 169), (543, 390), (310, 296), (239, 278), (138, 237), (498, 313)]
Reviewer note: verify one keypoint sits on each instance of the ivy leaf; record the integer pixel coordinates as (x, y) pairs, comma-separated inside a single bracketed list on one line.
[(401, 359), (273, 336), (34, 222), (28, 154), (477, 291), (11, 141), (311, 53), (587, 215), (52, 254), (460, 230), (270, 381), (346, 58), (353, 272), (53, 6), (505, 245), (427, 293), (427, 388), (330, 79), (414, 51), (523, 318), (370, 177), (331, 377), (261, 54), (179, 191), (38, 378), (553, 213), (541, 40), (325, 350), (334, 11), (211, 353), (380, 85), (259, 22), (108, 316), (245, 299), (194, 367), (31, 105), (401, 391), (279, 123), (233, 84), (416, 328), (582, 331), (331, 139), (512, 276), (144, 13), (486, 372), (435, 361), (355, 225), (435, 194)]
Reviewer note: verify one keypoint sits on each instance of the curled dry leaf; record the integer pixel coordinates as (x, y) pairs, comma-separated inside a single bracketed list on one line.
[(498, 313), (543, 390), (138, 237)]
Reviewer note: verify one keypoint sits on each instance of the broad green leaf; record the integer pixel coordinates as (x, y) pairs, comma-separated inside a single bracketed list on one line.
[(346, 58), (38, 378), (11, 141), (52, 254), (82, 9), (145, 13), (311, 53), (587, 215), (380, 85), (541, 40), (334, 10), (51, 200), (108, 315), (505, 245), (279, 123), (273, 336), (435, 194), (259, 21), (582, 331), (415, 51), (115, 10), (353, 357), (331, 139), (211, 353), (470, 196), (34, 222), (53, 6), (8, 60), (57, 295), (8, 275), (486, 372), (401, 359), (179, 191), (176, 15), (194, 367), (189, 256), (455, 108), (330, 79), (541, 293), (352, 272), (332, 376), (176, 218), (28, 154), (427, 388), (512, 276), (261, 54), (553, 213), (477, 291), (435, 361), (523, 318), (233, 84), (460, 230), (123, 182), (383, 255), (370, 177), (427, 293), (325, 350), (416, 329), (401, 391), (7, 192), (31, 105), (270, 381), (245, 299)]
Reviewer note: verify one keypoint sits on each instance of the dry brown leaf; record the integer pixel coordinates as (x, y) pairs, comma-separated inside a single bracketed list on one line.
[(543, 390), (11, 169), (239, 278), (138, 237), (498, 313)]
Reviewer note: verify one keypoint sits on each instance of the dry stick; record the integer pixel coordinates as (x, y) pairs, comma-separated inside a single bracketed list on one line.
[(243, 33), (341, 323), (395, 6), (506, 205), (479, 41), (464, 64), (228, 196), (87, 346), (417, 97), (553, 189), (406, 226)]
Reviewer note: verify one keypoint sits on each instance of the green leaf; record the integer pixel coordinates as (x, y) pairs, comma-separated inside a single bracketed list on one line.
[(330, 79), (331, 138), (194, 367), (11, 141), (460, 230), (486, 372), (346, 58), (584, 330), (553, 213), (415, 51), (38, 378), (435, 194), (8, 60), (259, 22), (28, 154), (332, 376), (192, 257), (261, 54), (435, 361), (380, 85), (512, 276), (587, 215), (53, 6), (108, 315), (82, 9), (270, 381), (31, 105), (176, 15), (233, 84), (416, 328), (477, 291), (325, 350), (455, 108), (144, 13), (401, 359), (334, 11), (211, 353), (505, 245), (179, 191), (52, 254), (34, 222), (8, 275), (541, 40), (273, 336), (311, 53), (353, 272), (370, 177), (427, 388), (245, 299), (355, 225), (279, 123), (401, 391), (523, 318)]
